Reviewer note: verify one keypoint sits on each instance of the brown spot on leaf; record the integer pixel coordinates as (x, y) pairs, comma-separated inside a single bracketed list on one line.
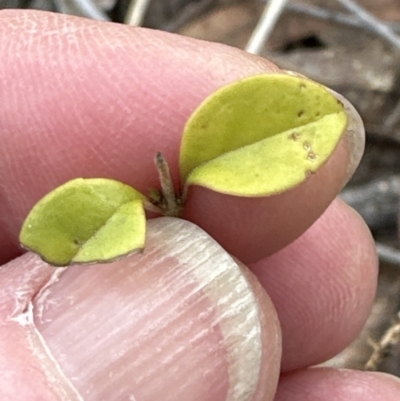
[(311, 155), (294, 136)]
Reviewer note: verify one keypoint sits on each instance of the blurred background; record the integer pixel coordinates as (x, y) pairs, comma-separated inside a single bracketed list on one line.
[(350, 46)]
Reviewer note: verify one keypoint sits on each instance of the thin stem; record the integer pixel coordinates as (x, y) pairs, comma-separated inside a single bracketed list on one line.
[(324, 14), (151, 207), (189, 13), (334, 16), (388, 254), (375, 25), (266, 24), (88, 8), (171, 203), (136, 12), (394, 117)]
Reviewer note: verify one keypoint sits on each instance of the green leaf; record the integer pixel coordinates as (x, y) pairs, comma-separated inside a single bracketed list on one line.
[(86, 221), (261, 135)]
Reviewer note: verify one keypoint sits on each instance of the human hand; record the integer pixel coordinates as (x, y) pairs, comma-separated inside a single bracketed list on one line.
[(82, 98)]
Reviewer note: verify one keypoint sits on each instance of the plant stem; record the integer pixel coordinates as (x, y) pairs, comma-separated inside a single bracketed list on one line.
[(170, 204)]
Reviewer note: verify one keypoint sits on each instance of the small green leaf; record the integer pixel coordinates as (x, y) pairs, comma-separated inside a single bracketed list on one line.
[(86, 221), (261, 135)]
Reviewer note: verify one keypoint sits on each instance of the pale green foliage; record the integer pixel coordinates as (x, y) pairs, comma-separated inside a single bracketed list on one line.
[(86, 220), (261, 135)]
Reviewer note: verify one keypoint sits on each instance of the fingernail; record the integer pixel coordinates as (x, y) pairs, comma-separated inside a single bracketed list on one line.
[(354, 135), (178, 322)]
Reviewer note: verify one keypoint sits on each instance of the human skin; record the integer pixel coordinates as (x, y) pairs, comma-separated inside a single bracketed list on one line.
[(83, 98)]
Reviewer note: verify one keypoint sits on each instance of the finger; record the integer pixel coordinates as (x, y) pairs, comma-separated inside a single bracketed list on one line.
[(91, 99), (318, 384), (323, 286), (180, 322), (84, 98)]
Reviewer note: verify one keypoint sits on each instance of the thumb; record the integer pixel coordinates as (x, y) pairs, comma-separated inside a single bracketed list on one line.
[(183, 321)]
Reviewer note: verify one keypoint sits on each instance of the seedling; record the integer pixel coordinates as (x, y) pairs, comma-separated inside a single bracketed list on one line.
[(256, 137)]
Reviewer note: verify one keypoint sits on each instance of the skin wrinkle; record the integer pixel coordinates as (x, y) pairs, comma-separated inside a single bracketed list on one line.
[(43, 293), (50, 366), (18, 290), (25, 285)]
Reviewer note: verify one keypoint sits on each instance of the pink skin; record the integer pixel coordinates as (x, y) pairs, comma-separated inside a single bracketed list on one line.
[(82, 98)]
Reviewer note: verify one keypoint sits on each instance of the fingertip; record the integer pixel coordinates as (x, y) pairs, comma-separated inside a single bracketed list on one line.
[(322, 285), (317, 384)]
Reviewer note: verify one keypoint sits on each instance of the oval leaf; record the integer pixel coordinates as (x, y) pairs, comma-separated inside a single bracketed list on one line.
[(261, 135), (86, 221)]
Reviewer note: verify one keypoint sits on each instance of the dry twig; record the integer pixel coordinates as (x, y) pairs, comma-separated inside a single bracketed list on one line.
[(384, 348)]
